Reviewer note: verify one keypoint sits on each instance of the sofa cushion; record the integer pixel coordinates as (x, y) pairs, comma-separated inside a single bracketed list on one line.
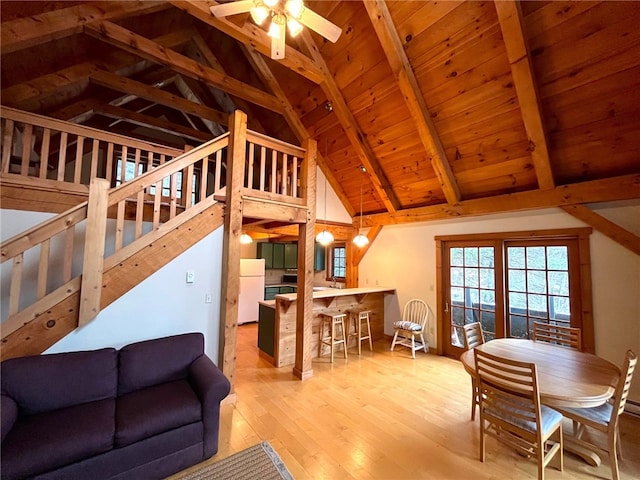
[(148, 363), (46, 441), (42, 383), (155, 410)]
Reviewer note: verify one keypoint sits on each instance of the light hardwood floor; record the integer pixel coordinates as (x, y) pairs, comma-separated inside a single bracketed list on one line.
[(380, 416)]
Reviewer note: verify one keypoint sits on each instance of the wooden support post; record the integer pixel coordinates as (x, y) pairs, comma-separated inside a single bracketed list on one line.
[(92, 265), (306, 242), (231, 244)]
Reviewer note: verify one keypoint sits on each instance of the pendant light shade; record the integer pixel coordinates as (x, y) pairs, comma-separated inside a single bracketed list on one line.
[(324, 238), (245, 239)]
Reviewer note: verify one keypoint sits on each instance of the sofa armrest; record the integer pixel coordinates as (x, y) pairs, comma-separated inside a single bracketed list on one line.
[(212, 387), (9, 412)]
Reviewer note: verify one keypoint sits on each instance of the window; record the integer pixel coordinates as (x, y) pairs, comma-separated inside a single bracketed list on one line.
[(509, 281), (337, 262)]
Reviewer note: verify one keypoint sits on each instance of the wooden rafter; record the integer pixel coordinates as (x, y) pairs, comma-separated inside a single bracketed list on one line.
[(194, 92), (510, 18), (146, 48), (408, 84), (615, 232), (45, 27), (152, 94), (148, 121), (250, 35), (605, 190), (72, 80), (355, 134), (292, 118)]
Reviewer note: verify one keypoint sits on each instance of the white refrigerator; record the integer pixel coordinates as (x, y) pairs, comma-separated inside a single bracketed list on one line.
[(251, 289)]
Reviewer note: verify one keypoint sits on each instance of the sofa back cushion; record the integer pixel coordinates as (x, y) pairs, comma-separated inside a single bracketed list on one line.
[(42, 383), (151, 362)]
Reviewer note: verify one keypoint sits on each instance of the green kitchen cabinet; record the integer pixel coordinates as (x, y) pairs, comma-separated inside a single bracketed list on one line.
[(291, 255), (320, 252), (278, 255), (265, 250)]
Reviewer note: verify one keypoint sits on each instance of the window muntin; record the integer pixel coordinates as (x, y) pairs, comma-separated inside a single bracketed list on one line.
[(337, 262)]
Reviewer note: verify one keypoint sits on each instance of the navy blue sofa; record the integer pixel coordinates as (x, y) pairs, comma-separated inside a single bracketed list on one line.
[(146, 411)]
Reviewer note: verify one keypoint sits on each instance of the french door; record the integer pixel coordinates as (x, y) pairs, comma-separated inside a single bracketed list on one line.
[(507, 285)]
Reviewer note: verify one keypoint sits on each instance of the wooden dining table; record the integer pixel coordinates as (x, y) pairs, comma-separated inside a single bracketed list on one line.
[(566, 377)]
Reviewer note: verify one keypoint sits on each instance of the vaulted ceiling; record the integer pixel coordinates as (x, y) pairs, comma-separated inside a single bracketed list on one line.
[(454, 108)]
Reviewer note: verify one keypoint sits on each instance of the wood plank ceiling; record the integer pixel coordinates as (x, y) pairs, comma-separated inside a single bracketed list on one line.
[(454, 108)]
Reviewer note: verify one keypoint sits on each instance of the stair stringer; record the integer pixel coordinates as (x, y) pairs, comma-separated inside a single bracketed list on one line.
[(119, 277)]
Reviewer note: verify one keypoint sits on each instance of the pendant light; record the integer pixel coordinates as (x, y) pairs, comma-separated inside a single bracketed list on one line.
[(361, 240), (325, 237), (245, 239)]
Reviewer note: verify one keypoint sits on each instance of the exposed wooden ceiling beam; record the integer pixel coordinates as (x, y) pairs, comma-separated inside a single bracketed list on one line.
[(73, 80), (355, 134), (615, 232), (403, 72), (193, 91), (510, 18), (250, 35), (146, 48), (152, 94), (606, 190), (142, 120), (38, 29), (292, 118)]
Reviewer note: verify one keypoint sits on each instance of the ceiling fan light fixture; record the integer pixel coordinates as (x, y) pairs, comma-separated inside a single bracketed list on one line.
[(270, 3), (259, 14), (275, 27), (295, 27), (294, 8)]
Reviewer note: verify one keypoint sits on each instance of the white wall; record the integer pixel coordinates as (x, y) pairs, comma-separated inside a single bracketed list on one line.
[(163, 304), (335, 211), (403, 256)]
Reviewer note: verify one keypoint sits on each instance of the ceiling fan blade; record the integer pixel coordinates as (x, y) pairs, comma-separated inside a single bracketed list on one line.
[(278, 43), (231, 8), (320, 25)]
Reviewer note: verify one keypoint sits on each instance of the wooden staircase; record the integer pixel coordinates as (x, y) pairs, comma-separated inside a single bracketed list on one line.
[(145, 206)]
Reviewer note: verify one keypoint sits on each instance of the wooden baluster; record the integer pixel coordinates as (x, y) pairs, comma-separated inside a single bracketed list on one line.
[(263, 166), (7, 145), (119, 226), (123, 164), (217, 182), (173, 195), (274, 166), (67, 267), (27, 135), (16, 281), (139, 213), (204, 177), (156, 204), (187, 191), (43, 268), (62, 157), (136, 164), (44, 152), (294, 180), (250, 166), (94, 159), (109, 166), (78, 166), (285, 174)]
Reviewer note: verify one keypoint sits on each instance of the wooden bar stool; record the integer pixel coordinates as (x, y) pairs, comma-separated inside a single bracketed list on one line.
[(358, 317), (333, 321)]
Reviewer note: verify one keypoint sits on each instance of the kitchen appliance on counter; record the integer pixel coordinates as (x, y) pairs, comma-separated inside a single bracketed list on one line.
[(251, 289), (290, 278)]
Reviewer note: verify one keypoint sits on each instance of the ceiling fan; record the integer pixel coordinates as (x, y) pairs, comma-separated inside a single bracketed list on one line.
[(283, 13)]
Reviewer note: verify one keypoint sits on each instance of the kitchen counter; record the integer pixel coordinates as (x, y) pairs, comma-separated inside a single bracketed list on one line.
[(278, 342)]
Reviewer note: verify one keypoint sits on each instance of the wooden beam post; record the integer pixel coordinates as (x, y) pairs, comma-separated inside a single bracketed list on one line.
[(306, 241), (93, 263), (231, 244)]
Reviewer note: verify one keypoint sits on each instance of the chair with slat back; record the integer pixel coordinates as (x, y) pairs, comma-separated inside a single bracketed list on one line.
[(409, 331), (473, 336), (558, 335), (510, 410), (605, 417)]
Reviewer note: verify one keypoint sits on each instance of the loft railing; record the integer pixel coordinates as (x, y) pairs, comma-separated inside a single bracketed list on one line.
[(69, 252)]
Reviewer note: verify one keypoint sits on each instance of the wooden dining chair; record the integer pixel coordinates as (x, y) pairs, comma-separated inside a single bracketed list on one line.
[(558, 335), (510, 410), (473, 336), (410, 331), (604, 418)]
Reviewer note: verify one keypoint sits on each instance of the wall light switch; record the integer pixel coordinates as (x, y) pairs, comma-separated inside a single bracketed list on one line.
[(190, 276), (207, 298)]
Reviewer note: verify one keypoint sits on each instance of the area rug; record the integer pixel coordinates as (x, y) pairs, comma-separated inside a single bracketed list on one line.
[(259, 462)]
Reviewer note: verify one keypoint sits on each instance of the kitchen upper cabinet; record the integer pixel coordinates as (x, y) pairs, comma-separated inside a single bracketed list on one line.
[(290, 255), (320, 252), (265, 250)]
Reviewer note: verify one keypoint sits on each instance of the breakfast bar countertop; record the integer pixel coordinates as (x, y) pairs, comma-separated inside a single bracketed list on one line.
[(337, 292)]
